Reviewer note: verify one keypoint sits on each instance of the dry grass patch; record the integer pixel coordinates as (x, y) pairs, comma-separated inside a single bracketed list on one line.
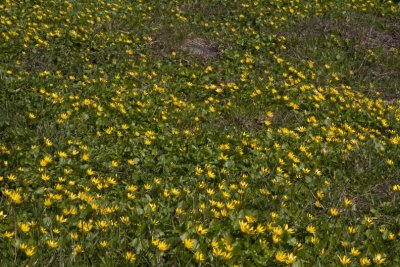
[(201, 47), (365, 35)]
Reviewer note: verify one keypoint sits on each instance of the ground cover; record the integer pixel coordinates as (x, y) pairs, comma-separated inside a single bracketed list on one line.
[(199, 133)]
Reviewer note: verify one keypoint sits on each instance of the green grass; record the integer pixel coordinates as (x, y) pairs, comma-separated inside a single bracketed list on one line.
[(118, 145)]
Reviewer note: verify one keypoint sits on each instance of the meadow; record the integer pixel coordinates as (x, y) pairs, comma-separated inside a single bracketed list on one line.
[(199, 133)]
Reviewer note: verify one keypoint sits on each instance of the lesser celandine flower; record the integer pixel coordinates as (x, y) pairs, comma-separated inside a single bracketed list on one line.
[(311, 229), (24, 227), (130, 256), (344, 260), (77, 249), (334, 212), (201, 230), (52, 244), (355, 252), (198, 256), (13, 196), (365, 261), (290, 258), (104, 244), (157, 145), (379, 259), (162, 246), (189, 243), (8, 234), (280, 256), (30, 251), (211, 174)]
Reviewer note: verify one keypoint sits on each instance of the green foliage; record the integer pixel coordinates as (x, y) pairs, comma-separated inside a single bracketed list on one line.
[(119, 147)]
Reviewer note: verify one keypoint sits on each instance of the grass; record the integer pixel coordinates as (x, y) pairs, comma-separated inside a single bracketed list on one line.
[(370, 42), (199, 133)]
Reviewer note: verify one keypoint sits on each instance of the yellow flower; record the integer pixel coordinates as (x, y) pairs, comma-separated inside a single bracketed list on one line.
[(155, 241), (379, 259), (85, 226), (198, 256), (103, 243), (43, 163), (13, 196), (351, 230), (2, 215), (45, 177), (391, 236), (11, 177), (368, 220), (109, 130), (314, 240), (211, 174), (348, 202), (130, 256), (334, 212), (280, 256), (344, 260), (47, 202), (125, 219), (290, 258), (74, 235), (222, 156), (344, 244), (250, 219), (260, 229), (85, 157), (355, 252), (365, 261), (52, 244), (246, 228), (8, 234), (114, 164), (30, 251), (189, 243), (162, 246), (62, 154), (147, 186), (311, 229), (153, 206), (200, 230), (198, 171), (396, 187), (23, 246), (48, 142), (77, 249), (318, 204), (24, 227)]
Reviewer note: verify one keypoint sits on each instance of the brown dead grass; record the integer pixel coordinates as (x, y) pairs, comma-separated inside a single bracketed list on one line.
[(363, 37), (33, 63), (239, 122), (206, 49), (253, 121), (365, 34)]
